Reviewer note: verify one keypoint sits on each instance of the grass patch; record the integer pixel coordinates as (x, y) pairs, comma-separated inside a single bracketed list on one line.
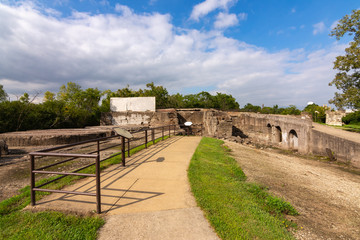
[(17, 224), (351, 128), (235, 208), (48, 225)]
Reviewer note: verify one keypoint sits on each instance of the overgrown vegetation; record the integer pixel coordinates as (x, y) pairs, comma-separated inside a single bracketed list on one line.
[(352, 118), (235, 208), (18, 224)]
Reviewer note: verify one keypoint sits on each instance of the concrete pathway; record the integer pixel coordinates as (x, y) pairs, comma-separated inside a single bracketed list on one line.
[(150, 198)]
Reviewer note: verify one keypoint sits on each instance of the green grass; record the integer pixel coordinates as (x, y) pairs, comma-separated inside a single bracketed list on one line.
[(18, 224), (48, 225), (352, 127), (235, 208)]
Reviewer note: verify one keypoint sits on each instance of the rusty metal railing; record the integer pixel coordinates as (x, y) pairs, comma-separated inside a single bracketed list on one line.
[(125, 147)]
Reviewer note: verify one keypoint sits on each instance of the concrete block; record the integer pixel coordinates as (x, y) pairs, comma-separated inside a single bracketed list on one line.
[(136, 104)]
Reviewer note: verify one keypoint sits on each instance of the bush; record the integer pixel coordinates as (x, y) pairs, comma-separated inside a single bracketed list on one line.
[(352, 118)]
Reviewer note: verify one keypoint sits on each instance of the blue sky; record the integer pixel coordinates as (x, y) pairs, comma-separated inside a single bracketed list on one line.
[(263, 52)]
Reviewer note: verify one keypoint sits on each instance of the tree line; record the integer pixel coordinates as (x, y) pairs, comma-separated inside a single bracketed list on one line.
[(74, 107)]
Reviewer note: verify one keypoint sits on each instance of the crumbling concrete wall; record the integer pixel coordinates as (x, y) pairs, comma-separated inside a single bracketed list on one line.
[(287, 132), (164, 117), (126, 118), (344, 150), (335, 117), (143, 119), (215, 123)]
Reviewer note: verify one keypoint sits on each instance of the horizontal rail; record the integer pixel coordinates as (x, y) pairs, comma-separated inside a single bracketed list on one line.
[(65, 173), (107, 144), (63, 154), (63, 191)]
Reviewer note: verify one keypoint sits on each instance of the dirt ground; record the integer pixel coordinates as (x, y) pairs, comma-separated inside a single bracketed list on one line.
[(326, 195)]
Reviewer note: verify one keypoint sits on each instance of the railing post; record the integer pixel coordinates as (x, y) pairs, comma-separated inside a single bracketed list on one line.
[(123, 150), (146, 138), (98, 147), (153, 135), (169, 131), (128, 142), (162, 132), (98, 193), (32, 180), (187, 131)]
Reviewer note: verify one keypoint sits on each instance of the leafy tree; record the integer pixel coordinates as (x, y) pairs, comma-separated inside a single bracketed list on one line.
[(348, 78), (225, 102), (3, 94), (251, 108), (352, 118), (291, 110), (317, 112), (49, 96), (159, 92)]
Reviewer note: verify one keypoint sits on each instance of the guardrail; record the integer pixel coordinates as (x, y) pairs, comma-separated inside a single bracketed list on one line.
[(125, 147)]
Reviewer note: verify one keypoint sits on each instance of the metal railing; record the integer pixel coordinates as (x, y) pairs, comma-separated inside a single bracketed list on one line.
[(125, 147)]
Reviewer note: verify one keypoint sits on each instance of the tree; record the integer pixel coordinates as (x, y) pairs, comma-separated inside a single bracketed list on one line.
[(348, 78), (3, 95), (49, 96), (317, 112), (251, 108)]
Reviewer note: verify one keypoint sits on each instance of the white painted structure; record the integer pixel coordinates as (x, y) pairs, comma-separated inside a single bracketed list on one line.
[(135, 104)]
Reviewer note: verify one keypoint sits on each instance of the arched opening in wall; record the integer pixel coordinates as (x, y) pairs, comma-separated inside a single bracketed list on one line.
[(293, 139), (269, 131), (278, 134)]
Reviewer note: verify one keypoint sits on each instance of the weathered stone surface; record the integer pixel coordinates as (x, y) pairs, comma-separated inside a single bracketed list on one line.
[(53, 136), (287, 132), (335, 117), (4, 150)]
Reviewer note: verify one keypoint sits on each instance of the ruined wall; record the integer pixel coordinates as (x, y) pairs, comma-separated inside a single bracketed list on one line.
[(335, 117), (215, 123), (287, 132), (126, 118), (53, 136), (344, 150)]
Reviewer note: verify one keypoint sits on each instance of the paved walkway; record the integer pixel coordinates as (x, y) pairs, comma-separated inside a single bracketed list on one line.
[(150, 198)]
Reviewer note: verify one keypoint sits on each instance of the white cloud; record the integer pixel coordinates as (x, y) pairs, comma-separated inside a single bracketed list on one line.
[(203, 8), (125, 10), (242, 16), (39, 52), (319, 28), (224, 20)]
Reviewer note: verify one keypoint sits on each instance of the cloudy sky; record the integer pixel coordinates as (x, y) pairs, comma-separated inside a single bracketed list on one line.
[(260, 51)]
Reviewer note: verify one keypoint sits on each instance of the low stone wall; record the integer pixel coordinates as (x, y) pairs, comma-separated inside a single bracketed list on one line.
[(52, 136), (344, 150)]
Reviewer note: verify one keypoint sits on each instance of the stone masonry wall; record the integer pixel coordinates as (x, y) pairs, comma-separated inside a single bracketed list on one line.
[(344, 150)]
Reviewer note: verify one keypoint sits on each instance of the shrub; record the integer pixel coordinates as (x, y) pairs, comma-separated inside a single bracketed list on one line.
[(352, 118)]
